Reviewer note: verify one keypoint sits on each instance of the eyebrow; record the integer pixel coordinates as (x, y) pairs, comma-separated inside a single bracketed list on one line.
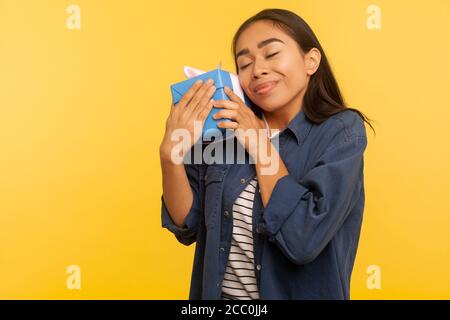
[(260, 45)]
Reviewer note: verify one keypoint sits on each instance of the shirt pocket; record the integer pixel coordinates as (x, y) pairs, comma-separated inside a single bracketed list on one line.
[(213, 181)]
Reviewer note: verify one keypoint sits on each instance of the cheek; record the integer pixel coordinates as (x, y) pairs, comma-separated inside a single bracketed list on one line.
[(295, 75), (244, 82), (296, 81)]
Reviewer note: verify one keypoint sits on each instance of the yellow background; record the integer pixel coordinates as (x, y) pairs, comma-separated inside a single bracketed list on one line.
[(82, 113)]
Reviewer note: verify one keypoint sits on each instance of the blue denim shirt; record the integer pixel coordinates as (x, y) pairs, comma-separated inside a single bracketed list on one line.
[(306, 238)]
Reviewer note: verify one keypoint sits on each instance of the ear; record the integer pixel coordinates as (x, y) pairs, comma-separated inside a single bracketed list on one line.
[(190, 72), (313, 58)]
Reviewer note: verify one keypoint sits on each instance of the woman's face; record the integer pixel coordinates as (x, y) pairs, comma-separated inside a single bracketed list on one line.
[(272, 68)]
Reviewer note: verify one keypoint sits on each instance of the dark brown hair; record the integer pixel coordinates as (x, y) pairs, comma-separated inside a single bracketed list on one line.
[(323, 97)]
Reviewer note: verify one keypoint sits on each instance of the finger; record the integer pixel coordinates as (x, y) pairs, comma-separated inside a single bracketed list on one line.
[(190, 93), (233, 96), (226, 104), (200, 93), (227, 114), (236, 99), (206, 110), (172, 108), (228, 124), (205, 100)]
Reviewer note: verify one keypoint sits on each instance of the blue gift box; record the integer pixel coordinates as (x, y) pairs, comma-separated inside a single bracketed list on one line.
[(211, 132)]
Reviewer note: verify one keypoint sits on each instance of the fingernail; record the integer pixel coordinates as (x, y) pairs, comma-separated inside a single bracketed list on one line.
[(210, 81), (198, 81)]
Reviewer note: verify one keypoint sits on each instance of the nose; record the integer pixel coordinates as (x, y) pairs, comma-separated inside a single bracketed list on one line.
[(259, 68)]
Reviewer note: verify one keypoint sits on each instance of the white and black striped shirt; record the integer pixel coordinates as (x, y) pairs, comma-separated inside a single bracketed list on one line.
[(239, 280)]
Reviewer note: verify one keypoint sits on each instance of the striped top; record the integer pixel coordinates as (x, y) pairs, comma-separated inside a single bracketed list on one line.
[(239, 280)]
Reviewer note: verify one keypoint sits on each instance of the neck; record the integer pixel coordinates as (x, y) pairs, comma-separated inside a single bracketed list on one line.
[(280, 118)]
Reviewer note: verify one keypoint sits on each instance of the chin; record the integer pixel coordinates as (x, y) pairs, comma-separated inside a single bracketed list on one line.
[(270, 104)]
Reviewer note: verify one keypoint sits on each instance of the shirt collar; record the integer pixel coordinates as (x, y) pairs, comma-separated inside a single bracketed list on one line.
[(299, 126)]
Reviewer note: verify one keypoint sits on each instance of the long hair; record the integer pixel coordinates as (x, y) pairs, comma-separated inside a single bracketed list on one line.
[(323, 97)]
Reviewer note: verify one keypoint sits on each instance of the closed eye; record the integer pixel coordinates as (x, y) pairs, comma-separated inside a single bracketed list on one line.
[(269, 56), (243, 67)]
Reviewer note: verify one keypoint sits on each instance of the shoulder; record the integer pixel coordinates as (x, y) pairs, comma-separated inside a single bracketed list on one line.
[(347, 124), (343, 128)]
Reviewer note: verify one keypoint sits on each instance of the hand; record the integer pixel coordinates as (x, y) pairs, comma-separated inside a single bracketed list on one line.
[(244, 121), (194, 106)]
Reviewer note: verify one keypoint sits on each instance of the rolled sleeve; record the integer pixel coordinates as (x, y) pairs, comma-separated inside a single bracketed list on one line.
[(285, 198), (303, 216), (188, 232)]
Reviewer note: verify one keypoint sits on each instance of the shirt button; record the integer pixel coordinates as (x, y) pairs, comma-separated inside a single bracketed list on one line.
[(226, 213), (258, 267), (206, 177), (242, 180), (222, 249)]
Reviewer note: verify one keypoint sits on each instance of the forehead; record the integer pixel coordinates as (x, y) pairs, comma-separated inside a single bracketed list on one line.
[(259, 31)]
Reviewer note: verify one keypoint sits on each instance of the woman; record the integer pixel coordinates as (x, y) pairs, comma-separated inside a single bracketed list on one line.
[(291, 234)]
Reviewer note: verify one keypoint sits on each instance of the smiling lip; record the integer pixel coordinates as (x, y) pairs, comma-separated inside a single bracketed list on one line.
[(265, 87)]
